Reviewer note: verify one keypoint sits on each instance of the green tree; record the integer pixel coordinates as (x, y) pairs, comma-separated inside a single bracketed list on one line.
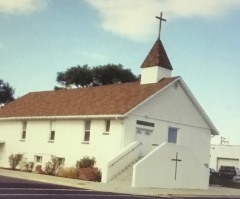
[(112, 74), (78, 76), (6, 92), (52, 166), (84, 76), (14, 160)]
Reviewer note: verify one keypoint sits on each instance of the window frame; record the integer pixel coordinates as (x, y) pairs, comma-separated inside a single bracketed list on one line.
[(145, 123), (52, 136), (107, 125), (87, 131), (24, 131), (36, 157), (61, 161), (24, 135), (172, 139)]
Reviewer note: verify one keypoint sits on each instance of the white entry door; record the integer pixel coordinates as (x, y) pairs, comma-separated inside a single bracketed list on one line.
[(145, 137)]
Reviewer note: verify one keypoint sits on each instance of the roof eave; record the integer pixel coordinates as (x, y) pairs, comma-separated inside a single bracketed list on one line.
[(214, 130), (160, 90), (63, 117)]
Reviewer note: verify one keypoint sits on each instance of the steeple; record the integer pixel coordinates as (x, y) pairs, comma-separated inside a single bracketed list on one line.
[(156, 65), (157, 57)]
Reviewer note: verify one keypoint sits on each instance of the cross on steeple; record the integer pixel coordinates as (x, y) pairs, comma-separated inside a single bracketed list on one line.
[(160, 23)]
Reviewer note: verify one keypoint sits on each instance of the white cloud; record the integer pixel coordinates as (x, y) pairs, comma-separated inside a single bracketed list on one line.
[(134, 18), (213, 9), (21, 6)]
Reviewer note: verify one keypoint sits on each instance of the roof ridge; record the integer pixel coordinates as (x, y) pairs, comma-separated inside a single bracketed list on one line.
[(81, 88), (100, 100)]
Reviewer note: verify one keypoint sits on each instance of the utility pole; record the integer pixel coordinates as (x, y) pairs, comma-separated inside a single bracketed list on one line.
[(224, 141)]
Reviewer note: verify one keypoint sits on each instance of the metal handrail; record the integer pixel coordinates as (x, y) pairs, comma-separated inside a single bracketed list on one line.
[(125, 155)]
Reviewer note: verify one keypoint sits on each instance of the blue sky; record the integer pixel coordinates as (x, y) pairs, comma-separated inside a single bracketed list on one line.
[(39, 38)]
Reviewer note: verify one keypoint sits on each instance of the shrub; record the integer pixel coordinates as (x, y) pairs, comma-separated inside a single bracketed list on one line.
[(90, 174), (38, 169), (86, 162), (30, 166), (98, 176), (67, 172), (14, 160), (52, 166), (85, 170)]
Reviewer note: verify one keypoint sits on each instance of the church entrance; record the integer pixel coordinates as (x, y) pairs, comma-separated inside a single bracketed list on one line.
[(145, 137), (144, 134)]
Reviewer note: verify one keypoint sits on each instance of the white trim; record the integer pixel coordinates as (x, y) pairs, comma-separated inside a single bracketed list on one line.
[(168, 121), (214, 131), (156, 93), (199, 108), (62, 117)]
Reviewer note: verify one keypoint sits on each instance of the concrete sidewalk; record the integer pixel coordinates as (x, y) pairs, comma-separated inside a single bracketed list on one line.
[(120, 188)]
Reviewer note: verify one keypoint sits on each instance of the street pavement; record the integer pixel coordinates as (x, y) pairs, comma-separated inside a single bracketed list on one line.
[(17, 184), (12, 188)]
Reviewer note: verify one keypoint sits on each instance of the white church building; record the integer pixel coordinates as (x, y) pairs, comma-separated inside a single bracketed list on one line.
[(156, 125)]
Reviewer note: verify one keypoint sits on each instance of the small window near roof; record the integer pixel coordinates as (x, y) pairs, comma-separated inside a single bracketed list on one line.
[(172, 135), (108, 123), (144, 123), (52, 131), (24, 131), (52, 135), (87, 131), (24, 135)]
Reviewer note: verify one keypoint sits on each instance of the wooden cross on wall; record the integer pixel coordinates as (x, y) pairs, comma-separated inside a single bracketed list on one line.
[(160, 23), (176, 160)]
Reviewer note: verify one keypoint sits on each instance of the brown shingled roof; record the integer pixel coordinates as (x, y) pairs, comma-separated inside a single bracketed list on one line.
[(157, 57), (101, 100)]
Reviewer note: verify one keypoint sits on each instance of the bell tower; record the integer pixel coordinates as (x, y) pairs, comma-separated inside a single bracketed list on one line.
[(156, 65)]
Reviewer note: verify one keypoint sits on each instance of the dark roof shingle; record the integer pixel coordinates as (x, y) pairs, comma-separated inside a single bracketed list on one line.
[(157, 57), (101, 100)]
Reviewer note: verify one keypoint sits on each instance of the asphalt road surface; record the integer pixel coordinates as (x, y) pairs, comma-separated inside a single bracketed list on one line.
[(12, 188)]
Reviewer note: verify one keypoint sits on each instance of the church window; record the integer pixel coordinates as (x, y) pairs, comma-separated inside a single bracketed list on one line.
[(52, 131), (38, 158), (24, 131), (108, 123), (144, 128), (61, 161), (143, 131), (87, 131), (172, 135), (52, 135), (144, 123)]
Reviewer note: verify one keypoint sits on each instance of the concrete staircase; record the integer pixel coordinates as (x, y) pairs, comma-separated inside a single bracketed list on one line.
[(125, 177)]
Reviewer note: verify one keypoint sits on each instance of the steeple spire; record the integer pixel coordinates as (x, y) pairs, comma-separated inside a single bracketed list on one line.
[(157, 57), (156, 65)]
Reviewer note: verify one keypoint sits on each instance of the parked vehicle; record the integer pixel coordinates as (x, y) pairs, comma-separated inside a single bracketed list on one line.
[(237, 177), (227, 172), (213, 177)]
